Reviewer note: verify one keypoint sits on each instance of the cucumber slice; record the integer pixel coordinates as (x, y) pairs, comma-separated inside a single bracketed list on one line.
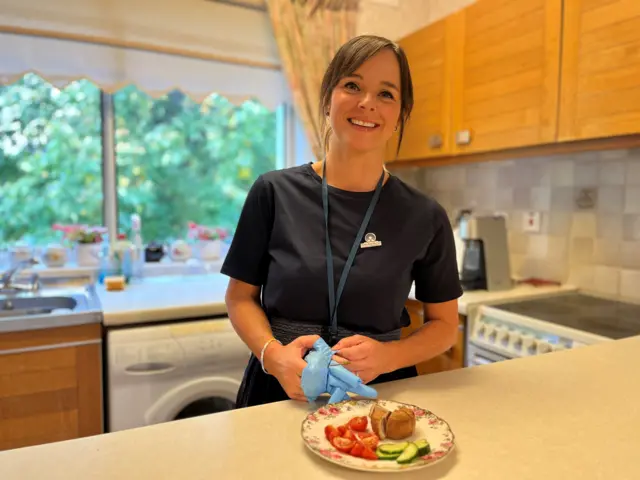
[(423, 447), (392, 448), (386, 456), (408, 454)]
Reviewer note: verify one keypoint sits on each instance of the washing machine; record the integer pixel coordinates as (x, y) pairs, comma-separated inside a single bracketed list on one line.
[(162, 373)]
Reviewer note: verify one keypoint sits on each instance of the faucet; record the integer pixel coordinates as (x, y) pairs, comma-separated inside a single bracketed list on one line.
[(6, 279)]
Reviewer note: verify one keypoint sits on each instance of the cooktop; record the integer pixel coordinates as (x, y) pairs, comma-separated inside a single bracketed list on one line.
[(607, 318)]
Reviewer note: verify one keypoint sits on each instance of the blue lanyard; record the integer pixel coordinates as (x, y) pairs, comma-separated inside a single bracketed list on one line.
[(334, 297)]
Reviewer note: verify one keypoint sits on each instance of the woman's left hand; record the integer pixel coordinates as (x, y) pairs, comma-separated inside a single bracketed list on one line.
[(364, 356)]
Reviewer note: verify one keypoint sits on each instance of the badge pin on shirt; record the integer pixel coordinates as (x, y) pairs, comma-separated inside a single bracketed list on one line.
[(370, 241)]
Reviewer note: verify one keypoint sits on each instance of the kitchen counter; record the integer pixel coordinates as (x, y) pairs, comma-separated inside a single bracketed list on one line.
[(519, 292), (187, 296), (565, 415), (161, 298)]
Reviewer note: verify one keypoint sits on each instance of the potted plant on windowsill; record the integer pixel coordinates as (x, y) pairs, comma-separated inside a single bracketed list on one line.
[(86, 241), (208, 240)]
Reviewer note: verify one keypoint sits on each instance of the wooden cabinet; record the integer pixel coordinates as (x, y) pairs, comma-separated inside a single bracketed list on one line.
[(600, 94), (50, 385), (501, 75), (505, 91), (430, 53), (450, 360)]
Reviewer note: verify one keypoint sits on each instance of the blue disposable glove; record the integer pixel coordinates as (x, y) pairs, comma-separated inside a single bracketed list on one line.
[(323, 375)]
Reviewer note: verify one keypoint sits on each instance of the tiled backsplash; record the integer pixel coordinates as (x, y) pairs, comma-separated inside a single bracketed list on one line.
[(590, 213)]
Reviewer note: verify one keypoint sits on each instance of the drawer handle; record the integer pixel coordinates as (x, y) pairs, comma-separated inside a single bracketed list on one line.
[(463, 137), (435, 141)]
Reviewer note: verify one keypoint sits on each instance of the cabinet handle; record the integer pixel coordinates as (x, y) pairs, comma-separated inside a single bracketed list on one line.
[(435, 140), (463, 137)]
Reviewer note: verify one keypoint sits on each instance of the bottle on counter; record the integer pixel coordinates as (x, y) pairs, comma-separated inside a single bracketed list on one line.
[(138, 254)]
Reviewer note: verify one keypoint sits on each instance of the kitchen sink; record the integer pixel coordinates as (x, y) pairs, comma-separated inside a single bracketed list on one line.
[(10, 307), (55, 304)]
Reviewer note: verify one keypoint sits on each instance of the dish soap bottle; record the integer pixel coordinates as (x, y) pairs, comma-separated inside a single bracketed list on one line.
[(138, 247)]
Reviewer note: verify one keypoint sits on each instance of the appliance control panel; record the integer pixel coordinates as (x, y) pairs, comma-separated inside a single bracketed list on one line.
[(518, 341)]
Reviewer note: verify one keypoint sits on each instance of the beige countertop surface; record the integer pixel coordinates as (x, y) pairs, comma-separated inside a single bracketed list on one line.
[(167, 297), (564, 415), (172, 297)]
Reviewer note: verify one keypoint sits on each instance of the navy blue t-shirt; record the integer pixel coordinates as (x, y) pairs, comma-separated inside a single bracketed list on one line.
[(279, 244)]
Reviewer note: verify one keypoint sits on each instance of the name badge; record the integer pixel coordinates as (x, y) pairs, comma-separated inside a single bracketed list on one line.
[(370, 241)]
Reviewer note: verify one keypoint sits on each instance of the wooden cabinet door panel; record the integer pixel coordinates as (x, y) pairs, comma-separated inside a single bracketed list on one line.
[(430, 54), (506, 74), (600, 92), (49, 394)]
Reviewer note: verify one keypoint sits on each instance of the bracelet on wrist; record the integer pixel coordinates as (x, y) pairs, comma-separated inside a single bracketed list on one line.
[(264, 348)]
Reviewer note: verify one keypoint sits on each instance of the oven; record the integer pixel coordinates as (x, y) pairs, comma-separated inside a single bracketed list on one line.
[(478, 355)]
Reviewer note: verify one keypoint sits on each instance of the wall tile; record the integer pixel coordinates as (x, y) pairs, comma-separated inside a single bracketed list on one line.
[(610, 199), (632, 199), (538, 246), (505, 175), (522, 198), (505, 198), (562, 173), (630, 255), (557, 223), (541, 198), (611, 173), (515, 220), (630, 284), (585, 174), (581, 251), (606, 280), (633, 171), (612, 154), (562, 199), (609, 226), (582, 276), (584, 225), (518, 243), (631, 227), (606, 252)]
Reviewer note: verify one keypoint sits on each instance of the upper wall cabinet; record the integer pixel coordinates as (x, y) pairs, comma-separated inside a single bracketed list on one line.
[(600, 93), (430, 53), (506, 74)]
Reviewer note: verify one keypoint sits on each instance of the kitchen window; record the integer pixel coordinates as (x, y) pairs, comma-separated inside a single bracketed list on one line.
[(50, 158), (176, 160)]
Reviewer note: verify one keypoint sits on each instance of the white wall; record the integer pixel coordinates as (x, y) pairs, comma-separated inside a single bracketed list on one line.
[(395, 19), (199, 25)]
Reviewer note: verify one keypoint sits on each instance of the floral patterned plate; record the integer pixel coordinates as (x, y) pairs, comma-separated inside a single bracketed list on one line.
[(428, 426)]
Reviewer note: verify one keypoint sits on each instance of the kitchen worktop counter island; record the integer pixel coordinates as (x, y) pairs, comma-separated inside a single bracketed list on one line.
[(563, 415)]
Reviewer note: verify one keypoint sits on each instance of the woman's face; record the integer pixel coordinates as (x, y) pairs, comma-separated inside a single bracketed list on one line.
[(365, 107)]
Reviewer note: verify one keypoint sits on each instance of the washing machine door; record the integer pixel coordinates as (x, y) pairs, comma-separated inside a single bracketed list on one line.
[(194, 398)]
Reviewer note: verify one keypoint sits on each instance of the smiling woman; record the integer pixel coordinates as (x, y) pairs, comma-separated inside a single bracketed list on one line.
[(345, 222)]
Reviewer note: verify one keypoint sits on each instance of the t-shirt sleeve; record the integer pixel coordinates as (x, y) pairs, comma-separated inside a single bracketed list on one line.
[(248, 256), (436, 273)]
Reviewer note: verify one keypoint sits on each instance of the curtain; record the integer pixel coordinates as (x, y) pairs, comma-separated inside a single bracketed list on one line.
[(111, 68), (308, 34)]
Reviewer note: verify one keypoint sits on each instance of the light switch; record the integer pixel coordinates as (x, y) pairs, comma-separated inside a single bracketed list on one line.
[(531, 222)]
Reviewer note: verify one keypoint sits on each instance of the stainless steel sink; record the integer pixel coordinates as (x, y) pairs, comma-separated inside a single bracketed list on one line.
[(10, 307), (56, 304)]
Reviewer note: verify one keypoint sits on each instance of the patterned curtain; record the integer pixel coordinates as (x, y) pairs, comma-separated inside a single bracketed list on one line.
[(308, 34)]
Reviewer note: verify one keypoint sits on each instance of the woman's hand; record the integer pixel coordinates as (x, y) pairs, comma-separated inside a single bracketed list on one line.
[(286, 364), (364, 356)]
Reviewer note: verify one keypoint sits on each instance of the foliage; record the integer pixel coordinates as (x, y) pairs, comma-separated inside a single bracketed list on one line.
[(177, 160)]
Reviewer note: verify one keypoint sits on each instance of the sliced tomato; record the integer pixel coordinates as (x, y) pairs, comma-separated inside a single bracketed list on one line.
[(369, 454), (370, 442), (342, 429), (359, 424), (349, 434), (357, 450), (330, 431), (343, 444)]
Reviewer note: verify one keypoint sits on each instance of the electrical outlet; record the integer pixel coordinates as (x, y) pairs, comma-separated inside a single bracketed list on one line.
[(531, 222)]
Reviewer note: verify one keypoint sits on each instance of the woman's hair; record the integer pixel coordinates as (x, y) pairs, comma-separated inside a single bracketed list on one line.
[(347, 60)]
